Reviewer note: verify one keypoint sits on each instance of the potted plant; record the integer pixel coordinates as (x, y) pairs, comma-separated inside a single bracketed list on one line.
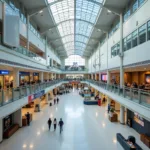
[(112, 110)]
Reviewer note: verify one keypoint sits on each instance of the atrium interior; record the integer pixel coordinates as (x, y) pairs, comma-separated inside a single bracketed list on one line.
[(74, 74)]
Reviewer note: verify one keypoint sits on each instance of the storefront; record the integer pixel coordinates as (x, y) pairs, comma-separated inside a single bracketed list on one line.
[(35, 77), (137, 122), (24, 77), (4, 79)]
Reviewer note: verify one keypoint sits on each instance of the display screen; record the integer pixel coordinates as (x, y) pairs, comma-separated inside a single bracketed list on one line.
[(147, 77), (7, 122), (4, 72), (104, 77)]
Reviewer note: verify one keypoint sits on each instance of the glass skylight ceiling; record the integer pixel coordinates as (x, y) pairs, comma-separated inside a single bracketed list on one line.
[(75, 20)]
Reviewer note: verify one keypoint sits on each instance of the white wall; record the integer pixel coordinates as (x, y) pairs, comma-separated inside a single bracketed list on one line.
[(36, 41), (23, 29), (141, 16), (137, 54)]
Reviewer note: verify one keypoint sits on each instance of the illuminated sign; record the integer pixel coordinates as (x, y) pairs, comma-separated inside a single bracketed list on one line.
[(4, 72)]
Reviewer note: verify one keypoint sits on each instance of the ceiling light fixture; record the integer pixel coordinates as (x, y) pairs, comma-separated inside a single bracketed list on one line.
[(109, 11), (40, 11)]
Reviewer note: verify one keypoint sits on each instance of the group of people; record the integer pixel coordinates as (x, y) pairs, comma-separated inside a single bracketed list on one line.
[(61, 123), (56, 100)]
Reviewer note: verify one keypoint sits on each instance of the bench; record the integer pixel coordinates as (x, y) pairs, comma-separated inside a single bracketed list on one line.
[(125, 145), (11, 131)]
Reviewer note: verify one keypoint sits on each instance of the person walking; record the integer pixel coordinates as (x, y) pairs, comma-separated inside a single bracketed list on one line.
[(49, 123), (57, 100), (54, 101), (61, 123), (109, 108), (55, 124), (28, 118)]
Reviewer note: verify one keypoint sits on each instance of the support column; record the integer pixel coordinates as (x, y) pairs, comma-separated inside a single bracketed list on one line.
[(15, 77), (46, 53), (28, 22), (18, 117), (41, 76), (1, 130), (46, 98), (108, 77), (121, 52), (122, 117)]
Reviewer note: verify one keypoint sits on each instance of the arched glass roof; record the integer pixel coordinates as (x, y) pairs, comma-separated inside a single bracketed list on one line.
[(75, 20)]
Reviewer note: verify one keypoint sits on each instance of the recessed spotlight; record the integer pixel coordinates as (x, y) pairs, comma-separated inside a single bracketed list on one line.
[(31, 146), (24, 146), (109, 11), (40, 11)]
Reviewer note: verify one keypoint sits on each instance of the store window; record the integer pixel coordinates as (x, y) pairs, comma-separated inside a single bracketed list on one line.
[(135, 6), (148, 30), (129, 43), (142, 34), (124, 44), (115, 50), (141, 2), (134, 38), (127, 14)]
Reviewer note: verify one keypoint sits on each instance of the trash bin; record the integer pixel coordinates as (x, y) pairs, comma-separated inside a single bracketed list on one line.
[(99, 102)]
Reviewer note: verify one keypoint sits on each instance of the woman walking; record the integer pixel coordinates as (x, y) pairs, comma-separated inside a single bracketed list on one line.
[(55, 124)]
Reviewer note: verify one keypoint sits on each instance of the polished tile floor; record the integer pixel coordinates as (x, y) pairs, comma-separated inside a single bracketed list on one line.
[(85, 128)]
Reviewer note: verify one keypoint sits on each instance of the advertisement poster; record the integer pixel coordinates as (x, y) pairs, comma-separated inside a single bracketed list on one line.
[(138, 119), (7, 122)]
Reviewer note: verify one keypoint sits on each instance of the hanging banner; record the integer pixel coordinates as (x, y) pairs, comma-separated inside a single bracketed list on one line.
[(36, 95)]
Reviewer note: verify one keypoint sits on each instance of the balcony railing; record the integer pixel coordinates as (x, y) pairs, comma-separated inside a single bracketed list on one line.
[(11, 95), (30, 54), (134, 94)]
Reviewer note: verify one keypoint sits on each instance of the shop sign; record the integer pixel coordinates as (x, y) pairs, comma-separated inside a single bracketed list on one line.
[(4, 72), (24, 73), (35, 74), (36, 95)]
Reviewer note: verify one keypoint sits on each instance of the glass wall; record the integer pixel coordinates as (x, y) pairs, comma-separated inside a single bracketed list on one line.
[(115, 50), (75, 59)]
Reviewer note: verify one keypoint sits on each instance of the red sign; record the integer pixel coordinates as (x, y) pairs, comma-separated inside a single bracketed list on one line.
[(30, 98), (74, 82)]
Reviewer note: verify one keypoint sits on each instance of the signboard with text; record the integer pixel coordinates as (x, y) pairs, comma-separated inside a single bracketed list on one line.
[(36, 95)]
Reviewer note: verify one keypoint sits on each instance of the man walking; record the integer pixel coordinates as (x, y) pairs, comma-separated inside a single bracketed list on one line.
[(28, 118), (61, 123), (49, 123)]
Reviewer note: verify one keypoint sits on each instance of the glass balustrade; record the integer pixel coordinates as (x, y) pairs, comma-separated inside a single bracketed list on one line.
[(134, 94), (14, 94), (30, 54)]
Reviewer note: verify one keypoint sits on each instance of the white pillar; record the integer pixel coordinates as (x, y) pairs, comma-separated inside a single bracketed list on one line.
[(46, 98), (108, 100), (1, 130), (28, 20), (15, 77), (122, 117), (108, 77), (41, 76), (121, 52), (18, 117), (46, 53)]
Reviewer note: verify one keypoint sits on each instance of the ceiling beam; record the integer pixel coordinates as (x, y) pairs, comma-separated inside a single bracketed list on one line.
[(114, 10), (47, 29), (34, 11)]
